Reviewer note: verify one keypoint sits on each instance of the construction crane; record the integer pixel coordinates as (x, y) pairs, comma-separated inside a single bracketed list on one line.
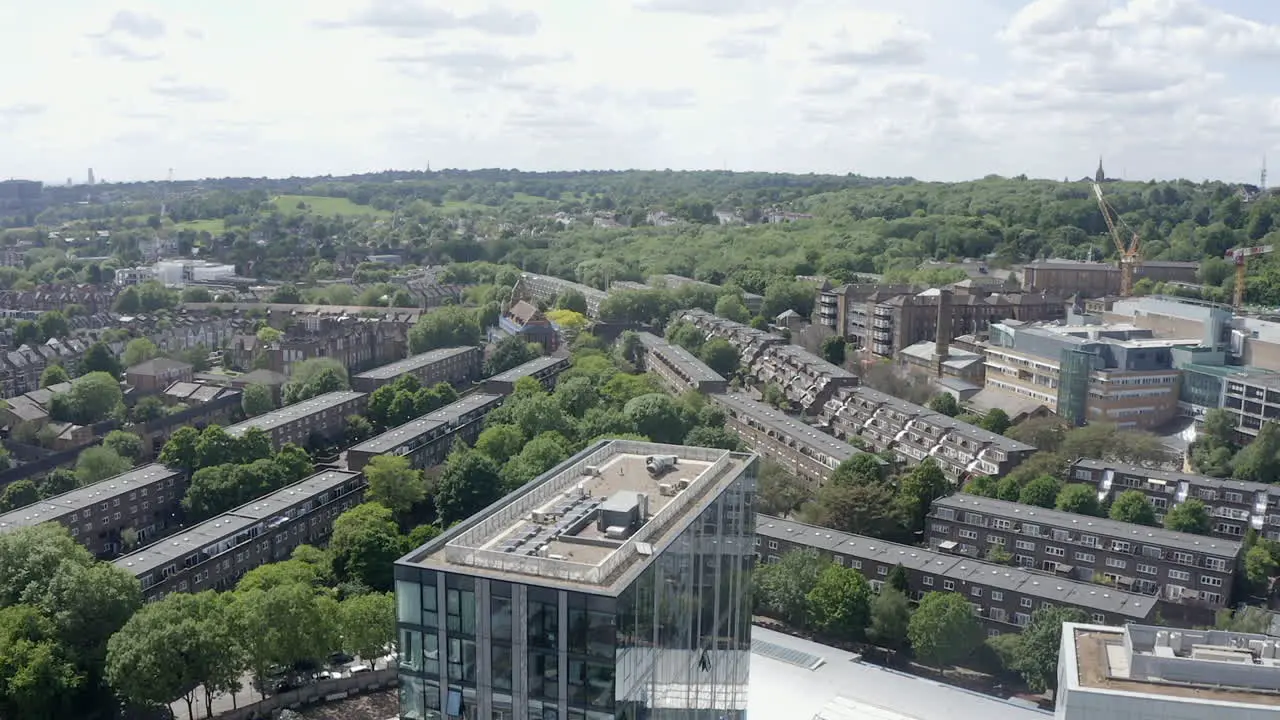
[(1240, 256), (1130, 254)]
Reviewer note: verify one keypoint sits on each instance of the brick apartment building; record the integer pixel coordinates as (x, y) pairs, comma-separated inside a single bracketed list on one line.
[(678, 368), (146, 500), (154, 375), (546, 288), (427, 440), (214, 554), (1003, 597), (544, 369), (525, 321), (323, 416), (1096, 279), (1176, 567), (455, 365)]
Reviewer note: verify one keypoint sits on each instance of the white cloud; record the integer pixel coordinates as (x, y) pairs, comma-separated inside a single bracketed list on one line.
[(921, 87)]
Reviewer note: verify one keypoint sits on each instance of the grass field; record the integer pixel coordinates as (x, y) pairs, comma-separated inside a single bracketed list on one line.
[(327, 206), (213, 227)]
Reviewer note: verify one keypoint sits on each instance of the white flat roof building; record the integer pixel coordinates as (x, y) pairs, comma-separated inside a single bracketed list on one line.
[(1142, 672)]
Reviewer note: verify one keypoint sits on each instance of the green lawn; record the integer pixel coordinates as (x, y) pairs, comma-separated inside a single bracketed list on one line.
[(213, 227), (327, 206)]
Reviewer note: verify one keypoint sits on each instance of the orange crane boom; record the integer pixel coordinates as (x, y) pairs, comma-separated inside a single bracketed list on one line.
[(1130, 255), (1240, 256)]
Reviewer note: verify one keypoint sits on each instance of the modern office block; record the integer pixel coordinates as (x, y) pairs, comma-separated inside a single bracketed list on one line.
[(427, 440), (450, 365), (616, 585)]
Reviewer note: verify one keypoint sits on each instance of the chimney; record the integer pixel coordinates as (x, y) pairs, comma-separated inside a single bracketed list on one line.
[(942, 340)]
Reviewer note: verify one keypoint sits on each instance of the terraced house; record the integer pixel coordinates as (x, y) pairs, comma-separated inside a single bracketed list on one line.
[(1234, 506), (914, 432), (1175, 567), (1004, 597)]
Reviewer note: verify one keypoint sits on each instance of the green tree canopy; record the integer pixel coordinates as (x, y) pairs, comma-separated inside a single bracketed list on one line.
[(1132, 506), (943, 629)]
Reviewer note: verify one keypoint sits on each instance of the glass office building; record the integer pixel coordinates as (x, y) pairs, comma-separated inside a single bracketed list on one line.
[(616, 585)]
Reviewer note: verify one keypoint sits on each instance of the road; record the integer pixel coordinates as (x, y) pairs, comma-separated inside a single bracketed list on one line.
[(224, 702)]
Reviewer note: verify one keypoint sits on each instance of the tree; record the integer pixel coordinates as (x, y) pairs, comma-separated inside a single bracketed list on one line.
[(782, 587), (1259, 566), (364, 545), (859, 509), (57, 482), (1189, 516), (996, 421), (449, 326), (128, 302), (860, 469), (840, 602), (180, 450), (503, 441), (99, 463), (778, 492), (313, 377), (92, 398), (983, 486), (1044, 433), (720, 356), (53, 375), (285, 625), (1080, 499), (833, 350), (656, 416), (945, 403), (1132, 506), (943, 629), (890, 617), (147, 409), (394, 483), (139, 350), (712, 437), (1037, 658), (512, 351), (52, 324), (898, 579), (536, 457), (257, 400), (1259, 461), (918, 489), (470, 482), (19, 494), (99, 358), (37, 678), (732, 308), (125, 444), (572, 300), (368, 624), (1042, 492)]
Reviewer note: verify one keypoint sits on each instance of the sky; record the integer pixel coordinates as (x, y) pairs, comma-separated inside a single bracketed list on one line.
[(934, 89)]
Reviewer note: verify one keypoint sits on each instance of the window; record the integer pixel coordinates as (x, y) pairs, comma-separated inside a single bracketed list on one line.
[(927, 581), (1179, 575), (1098, 618), (1032, 530), (773, 544), (1025, 545), (967, 534), (1120, 546), (975, 591), (1146, 569), (948, 584), (855, 564), (1021, 619), (1089, 540), (995, 540), (1117, 563), (1210, 581), (1184, 558), (1216, 564), (1084, 557), (1025, 602), (941, 528), (1052, 551), (882, 570)]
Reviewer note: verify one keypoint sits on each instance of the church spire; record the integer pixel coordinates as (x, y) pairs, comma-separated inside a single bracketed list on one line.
[(1100, 175)]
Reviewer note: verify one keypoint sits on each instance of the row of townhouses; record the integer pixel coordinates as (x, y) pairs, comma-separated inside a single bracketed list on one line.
[(455, 365), (427, 440), (678, 368)]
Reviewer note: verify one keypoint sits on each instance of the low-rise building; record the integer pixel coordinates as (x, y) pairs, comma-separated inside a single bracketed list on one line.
[(546, 288), (139, 505), (1003, 597), (455, 365), (156, 374), (678, 368), (1118, 672), (427, 440), (214, 554), (809, 453), (1096, 279), (544, 369), (914, 432), (1175, 567), (1234, 506), (525, 321), (323, 416)]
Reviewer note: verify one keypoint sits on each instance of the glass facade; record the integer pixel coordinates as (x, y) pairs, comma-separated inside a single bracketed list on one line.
[(1075, 367), (673, 643)]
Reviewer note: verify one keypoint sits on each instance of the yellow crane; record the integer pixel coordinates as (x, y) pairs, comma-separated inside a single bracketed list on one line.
[(1130, 254), (1240, 256)]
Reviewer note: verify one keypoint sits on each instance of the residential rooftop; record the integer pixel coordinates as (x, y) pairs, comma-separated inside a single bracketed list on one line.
[(695, 369), (533, 366), (590, 521), (460, 408), (290, 413), (409, 364), (1172, 477), (1089, 524), (924, 414), (1044, 586), (85, 497), (787, 426), (399, 435), (199, 537), (1199, 667)]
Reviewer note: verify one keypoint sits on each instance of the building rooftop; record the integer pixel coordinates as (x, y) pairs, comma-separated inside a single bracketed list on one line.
[(1172, 477), (1089, 524), (529, 368), (409, 364), (590, 521), (787, 426), (156, 366), (921, 413), (289, 413), (1198, 667), (278, 502), (673, 354), (1032, 584), (455, 411), (397, 436), (85, 497), (957, 358)]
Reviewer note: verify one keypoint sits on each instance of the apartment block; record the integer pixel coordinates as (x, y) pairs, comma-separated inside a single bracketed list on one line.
[(1114, 672), (1234, 506), (616, 585), (1003, 597), (1175, 567), (544, 369), (1095, 279), (427, 440), (546, 288), (323, 416), (807, 452), (807, 380), (1088, 373), (214, 554), (914, 432), (455, 365), (678, 368), (146, 500)]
